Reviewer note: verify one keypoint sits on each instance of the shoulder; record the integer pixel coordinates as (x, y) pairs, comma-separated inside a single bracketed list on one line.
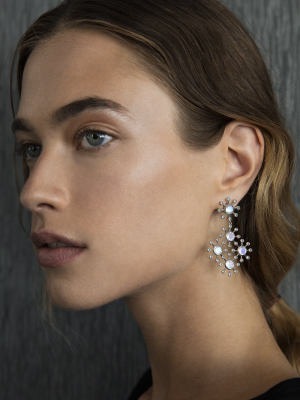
[(144, 383), (288, 389)]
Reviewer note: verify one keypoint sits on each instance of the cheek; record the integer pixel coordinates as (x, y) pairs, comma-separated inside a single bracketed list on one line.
[(141, 214)]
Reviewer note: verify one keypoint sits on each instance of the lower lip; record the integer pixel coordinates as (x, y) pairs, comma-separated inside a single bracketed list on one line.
[(55, 257)]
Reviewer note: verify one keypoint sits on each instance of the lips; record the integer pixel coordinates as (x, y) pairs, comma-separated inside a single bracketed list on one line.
[(48, 257), (55, 257), (43, 237)]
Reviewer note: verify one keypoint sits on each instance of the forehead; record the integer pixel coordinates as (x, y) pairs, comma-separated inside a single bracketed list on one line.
[(73, 51), (80, 62)]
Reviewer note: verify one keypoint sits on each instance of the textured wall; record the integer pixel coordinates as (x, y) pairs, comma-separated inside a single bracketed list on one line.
[(107, 353)]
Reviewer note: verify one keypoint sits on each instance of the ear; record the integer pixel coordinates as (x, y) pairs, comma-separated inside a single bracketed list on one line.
[(243, 152)]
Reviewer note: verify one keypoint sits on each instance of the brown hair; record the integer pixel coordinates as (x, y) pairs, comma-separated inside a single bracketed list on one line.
[(204, 56)]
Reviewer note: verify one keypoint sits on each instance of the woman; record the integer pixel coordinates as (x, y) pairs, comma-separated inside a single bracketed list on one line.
[(159, 151)]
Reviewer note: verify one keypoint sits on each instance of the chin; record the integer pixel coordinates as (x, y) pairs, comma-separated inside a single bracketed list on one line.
[(69, 298)]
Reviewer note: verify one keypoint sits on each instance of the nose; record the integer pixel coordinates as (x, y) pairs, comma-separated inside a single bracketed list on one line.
[(46, 186)]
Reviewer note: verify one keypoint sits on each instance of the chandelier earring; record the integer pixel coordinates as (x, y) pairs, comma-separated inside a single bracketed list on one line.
[(229, 249)]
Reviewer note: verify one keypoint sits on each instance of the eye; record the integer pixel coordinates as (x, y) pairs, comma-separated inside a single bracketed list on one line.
[(93, 140), (21, 148)]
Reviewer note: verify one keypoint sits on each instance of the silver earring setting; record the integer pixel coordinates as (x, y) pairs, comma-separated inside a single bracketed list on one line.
[(226, 242)]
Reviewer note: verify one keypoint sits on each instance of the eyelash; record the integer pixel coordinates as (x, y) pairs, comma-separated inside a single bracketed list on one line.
[(20, 148)]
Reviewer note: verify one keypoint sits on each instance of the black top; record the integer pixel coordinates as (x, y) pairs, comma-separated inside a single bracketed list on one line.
[(285, 390)]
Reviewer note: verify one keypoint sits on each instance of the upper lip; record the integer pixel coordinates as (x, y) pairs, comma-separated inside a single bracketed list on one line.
[(43, 237)]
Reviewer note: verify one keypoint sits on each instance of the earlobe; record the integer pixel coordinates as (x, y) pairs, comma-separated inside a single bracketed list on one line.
[(243, 151)]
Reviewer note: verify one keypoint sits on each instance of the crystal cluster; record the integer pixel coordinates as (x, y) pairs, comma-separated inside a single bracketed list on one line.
[(223, 248)]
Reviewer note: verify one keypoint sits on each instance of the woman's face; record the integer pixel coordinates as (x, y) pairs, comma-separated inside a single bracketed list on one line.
[(140, 202)]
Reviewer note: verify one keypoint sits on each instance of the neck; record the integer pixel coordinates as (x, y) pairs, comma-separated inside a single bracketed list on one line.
[(207, 337)]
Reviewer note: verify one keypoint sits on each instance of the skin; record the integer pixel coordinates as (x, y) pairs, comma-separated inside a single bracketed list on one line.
[(146, 208)]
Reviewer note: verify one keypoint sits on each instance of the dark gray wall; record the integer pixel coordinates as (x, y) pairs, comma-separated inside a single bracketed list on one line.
[(108, 352)]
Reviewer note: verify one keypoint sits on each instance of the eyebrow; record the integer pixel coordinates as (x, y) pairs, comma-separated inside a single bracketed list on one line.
[(71, 110)]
